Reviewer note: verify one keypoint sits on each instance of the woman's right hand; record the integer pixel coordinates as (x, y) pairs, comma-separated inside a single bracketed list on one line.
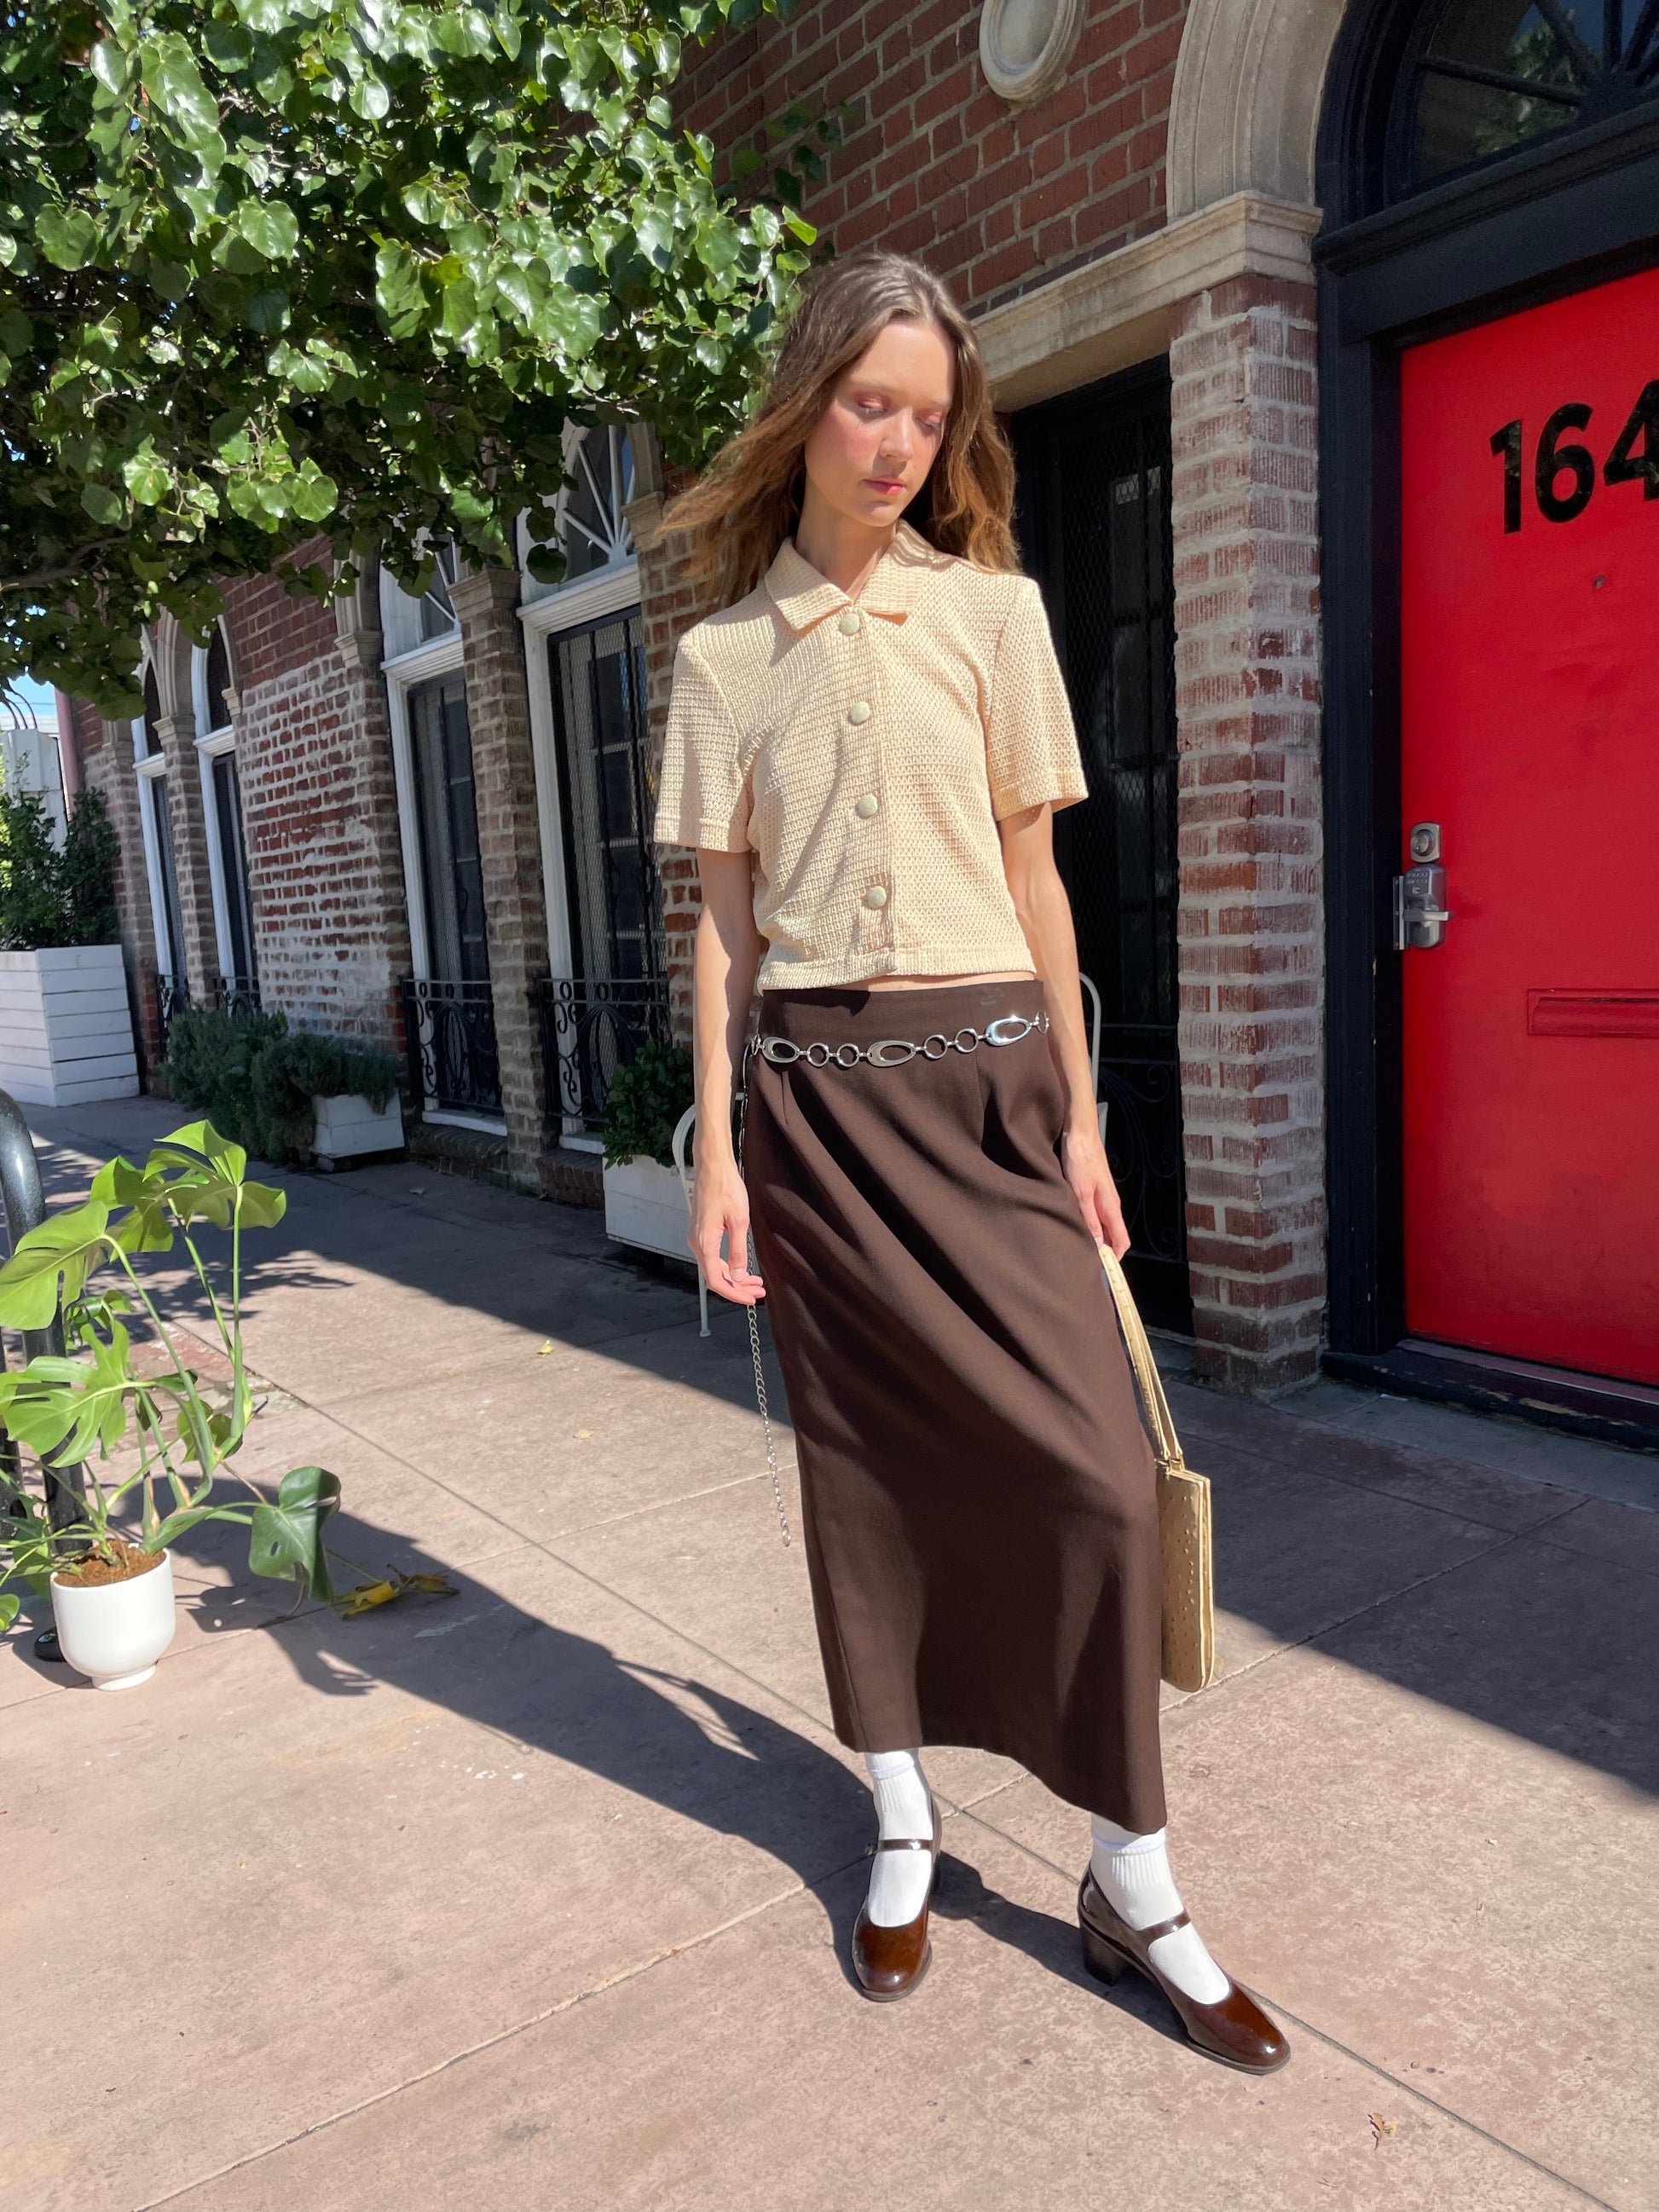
[(720, 1208)]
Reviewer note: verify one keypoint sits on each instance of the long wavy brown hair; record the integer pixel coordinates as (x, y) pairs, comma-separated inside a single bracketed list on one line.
[(749, 499)]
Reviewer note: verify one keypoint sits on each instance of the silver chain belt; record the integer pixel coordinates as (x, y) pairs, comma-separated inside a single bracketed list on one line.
[(895, 1052), (784, 1052)]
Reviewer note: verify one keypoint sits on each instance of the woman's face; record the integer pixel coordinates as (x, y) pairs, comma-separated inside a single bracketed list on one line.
[(873, 444)]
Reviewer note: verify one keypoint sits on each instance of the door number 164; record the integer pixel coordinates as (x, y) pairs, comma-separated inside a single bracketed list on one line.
[(1553, 460)]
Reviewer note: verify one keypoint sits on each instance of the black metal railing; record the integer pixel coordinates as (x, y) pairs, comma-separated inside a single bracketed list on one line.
[(588, 1031), (454, 1060), (24, 1208), (237, 994), (171, 992)]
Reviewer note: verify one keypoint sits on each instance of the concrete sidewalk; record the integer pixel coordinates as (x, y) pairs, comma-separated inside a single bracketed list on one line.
[(539, 1897)]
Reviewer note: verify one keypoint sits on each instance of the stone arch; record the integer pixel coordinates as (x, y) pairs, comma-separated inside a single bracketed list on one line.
[(1245, 111), (170, 653)]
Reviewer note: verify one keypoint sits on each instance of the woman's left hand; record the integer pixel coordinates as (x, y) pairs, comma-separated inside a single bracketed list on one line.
[(1084, 1158)]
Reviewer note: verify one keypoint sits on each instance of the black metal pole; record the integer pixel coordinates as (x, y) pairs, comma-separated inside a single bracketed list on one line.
[(25, 1209)]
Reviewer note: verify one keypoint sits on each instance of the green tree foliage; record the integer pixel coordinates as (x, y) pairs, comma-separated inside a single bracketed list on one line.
[(92, 853), (51, 897), (286, 279)]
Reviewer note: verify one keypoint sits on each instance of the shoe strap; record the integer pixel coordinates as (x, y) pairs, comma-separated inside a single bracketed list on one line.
[(1161, 1927), (904, 1844)]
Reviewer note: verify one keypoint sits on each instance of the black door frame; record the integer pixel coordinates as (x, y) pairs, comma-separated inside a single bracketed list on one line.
[(1138, 1079), (1571, 211)]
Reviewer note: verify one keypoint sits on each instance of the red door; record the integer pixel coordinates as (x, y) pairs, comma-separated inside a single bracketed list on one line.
[(1530, 737)]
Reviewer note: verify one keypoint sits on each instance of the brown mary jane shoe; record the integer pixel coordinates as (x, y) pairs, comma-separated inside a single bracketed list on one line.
[(890, 1961), (1235, 2030)]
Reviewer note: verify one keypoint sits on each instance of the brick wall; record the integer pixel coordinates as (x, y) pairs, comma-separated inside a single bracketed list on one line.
[(324, 859), (106, 760), (1244, 494), (272, 632), (995, 199), (669, 605), (509, 850)]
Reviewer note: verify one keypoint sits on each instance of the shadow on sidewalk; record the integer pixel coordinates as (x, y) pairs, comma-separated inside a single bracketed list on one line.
[(1503, 1599)]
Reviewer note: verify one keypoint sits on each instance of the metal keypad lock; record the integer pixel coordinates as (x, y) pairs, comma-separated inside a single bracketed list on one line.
[(1420, 912)]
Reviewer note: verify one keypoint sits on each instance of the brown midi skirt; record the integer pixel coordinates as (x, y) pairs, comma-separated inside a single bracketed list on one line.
[(978, 1493)]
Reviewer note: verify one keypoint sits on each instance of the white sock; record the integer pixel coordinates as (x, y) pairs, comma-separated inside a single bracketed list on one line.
[(904, 1806), (1133, 1871)]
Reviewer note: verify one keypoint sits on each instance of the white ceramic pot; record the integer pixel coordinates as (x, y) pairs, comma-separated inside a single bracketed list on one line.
[(116, 1631)]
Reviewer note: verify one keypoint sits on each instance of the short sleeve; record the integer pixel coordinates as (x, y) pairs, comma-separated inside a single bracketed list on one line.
[(701, 796), (1032, 747)]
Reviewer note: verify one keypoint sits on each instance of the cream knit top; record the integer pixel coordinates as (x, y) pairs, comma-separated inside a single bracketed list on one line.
[(865, 752)]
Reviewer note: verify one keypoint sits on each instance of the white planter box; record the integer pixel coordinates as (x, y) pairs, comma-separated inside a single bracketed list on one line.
[(348, 1126), (65, 1027), (645, 1204)]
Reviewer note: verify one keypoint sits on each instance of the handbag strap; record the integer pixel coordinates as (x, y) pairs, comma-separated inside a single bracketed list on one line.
[(1158, 1417)]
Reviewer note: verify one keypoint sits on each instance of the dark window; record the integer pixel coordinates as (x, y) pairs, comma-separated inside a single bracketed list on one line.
[(227, 811), (218, 683), (168, 924), (450, 874), (1485, 78), (1094, 492), (600, 734)]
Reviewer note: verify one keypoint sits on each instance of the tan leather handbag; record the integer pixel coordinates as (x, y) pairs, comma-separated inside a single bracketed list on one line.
[(1184, 1511)]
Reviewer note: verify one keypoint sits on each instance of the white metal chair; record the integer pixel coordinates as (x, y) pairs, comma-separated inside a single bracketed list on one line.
[(1093, 1018), (681, 1137)]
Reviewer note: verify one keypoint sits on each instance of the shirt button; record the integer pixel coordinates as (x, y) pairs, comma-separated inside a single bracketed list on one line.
[(858, 711), (868, 805), (876, 896), (851, 623)]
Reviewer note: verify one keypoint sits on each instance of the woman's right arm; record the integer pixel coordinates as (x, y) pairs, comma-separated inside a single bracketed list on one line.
[(726, 953)]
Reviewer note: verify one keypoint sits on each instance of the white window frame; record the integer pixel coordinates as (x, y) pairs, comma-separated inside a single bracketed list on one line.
[(149, 765), (209, 743), (606, 592), (439, 656)]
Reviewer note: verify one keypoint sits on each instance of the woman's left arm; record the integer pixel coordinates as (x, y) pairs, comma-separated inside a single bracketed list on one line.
[(1045, 915)]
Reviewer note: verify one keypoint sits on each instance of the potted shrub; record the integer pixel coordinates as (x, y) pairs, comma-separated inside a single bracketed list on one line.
[(645, 1201), (284, 1096), (65, 1018), (141, 1456)]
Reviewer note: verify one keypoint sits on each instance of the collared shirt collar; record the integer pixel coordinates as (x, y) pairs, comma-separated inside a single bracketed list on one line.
[(805, 598)]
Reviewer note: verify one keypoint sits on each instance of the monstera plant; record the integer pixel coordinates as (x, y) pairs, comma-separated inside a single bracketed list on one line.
[(138, 1447)]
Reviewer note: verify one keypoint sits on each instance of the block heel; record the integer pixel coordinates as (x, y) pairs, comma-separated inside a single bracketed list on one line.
[(1100, 1959)]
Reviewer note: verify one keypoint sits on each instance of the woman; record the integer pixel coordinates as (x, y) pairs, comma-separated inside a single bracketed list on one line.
[(865, 745)]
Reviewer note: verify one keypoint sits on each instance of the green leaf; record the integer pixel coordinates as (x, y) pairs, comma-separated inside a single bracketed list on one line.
[(64, 1408), (270, 228), (111, 65), (56, 1256), (286, 1541), (147, 478), (102, 504), (370, 99), (68, 236)]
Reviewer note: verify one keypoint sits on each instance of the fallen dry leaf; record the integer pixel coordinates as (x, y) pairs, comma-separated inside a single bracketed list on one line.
[(584, 1432), (545, 1349), (1380, 2127), (366, 1596)]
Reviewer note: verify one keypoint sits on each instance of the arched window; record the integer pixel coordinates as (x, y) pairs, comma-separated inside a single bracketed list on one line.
[(589, 525), (1483, 78), (221, 811), (410, 620)]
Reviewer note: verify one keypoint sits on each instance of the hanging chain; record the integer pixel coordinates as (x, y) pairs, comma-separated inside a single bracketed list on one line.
[(753, 1318)]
